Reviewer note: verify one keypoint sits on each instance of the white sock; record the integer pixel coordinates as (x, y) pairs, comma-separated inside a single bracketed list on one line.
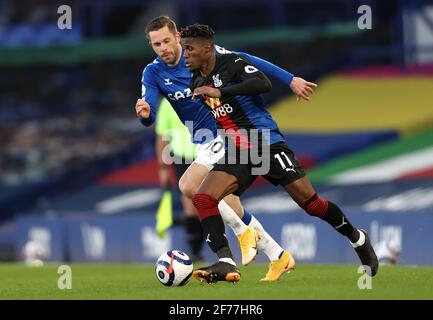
[(360, 241), (266, 243), (231, 218), (228, 260)]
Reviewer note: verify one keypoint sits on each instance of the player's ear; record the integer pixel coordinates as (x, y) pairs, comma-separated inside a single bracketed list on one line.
[(209, 46)]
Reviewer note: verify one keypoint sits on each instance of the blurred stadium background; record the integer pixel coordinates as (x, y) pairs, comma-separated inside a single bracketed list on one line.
[(78, 178)]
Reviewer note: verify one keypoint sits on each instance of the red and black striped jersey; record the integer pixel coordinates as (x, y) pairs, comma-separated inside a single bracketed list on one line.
[(233, 74)]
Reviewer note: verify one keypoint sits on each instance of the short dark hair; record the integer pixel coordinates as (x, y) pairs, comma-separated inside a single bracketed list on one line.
[(159, 23), (197, 30)]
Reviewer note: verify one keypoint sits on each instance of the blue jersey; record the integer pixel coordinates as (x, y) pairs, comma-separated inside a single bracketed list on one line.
[(173, 83)]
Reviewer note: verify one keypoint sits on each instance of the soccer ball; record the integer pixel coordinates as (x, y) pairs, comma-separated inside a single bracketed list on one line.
[(34, 254), (173, 268)]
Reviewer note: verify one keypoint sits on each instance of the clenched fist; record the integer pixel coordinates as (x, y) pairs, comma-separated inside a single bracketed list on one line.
[(142, 108)]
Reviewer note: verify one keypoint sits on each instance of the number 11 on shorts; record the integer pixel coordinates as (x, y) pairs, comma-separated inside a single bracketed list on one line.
[(289, 165)]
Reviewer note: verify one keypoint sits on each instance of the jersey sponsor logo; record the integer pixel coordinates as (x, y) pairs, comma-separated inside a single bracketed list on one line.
[(186, 93), (250, 69), (217, 81), (222, 111), (218, 109), (167, 81), (212, 102)]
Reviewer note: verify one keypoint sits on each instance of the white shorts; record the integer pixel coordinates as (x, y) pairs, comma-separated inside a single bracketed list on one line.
[(208, 154)]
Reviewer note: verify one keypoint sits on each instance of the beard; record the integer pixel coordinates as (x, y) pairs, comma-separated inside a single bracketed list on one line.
[(171, 58)]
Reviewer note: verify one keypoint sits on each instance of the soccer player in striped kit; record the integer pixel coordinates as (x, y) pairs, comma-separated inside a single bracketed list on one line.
[(230, 86)]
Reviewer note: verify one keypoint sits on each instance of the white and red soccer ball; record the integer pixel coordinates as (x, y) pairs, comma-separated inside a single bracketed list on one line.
[(173, 268)]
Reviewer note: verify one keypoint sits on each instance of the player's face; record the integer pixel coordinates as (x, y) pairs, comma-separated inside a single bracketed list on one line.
[(166, 45), (195, 51)]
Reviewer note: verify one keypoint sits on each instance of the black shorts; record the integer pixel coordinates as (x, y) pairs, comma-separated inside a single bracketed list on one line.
[(283, 167)]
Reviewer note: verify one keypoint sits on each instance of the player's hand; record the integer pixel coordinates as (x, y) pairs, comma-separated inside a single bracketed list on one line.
[(142, 108), (301, 88), (208, 91)]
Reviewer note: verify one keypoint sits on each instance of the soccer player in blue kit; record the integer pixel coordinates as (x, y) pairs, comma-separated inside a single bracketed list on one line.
[(169, 76), (231, 80)]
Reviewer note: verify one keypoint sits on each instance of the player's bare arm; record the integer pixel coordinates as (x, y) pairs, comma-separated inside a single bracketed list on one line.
[(142, 109), (302, 88), (208, 91)]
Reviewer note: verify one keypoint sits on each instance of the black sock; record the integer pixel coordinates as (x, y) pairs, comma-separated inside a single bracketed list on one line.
[(336, 218), (179, 221), (194, 233), (224, 252), (214, 232)]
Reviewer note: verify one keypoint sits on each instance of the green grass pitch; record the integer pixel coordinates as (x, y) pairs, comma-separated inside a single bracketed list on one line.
[(134, 281)]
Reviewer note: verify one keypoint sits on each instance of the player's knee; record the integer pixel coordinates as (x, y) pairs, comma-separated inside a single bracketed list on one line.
[(234, 203), (204, 201), (187, 188), (315, 206), (205, 204)]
